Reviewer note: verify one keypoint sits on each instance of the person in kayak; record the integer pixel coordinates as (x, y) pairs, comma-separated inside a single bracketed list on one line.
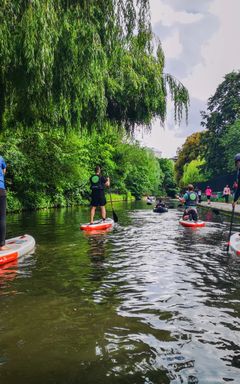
[(190, 201), (237, 192), (160, 203), (98, 184), (3, 199)]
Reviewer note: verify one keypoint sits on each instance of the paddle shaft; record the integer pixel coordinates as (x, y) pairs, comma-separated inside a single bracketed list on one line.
[(230, 230), (115, 218)]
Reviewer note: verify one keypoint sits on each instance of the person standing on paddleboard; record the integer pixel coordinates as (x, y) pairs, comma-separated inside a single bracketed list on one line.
[(237, 192), (190, 201), (98, 184), (3, 199)]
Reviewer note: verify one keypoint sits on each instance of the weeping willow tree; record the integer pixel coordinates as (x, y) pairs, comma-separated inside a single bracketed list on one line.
[(68, 70), (76, 63)]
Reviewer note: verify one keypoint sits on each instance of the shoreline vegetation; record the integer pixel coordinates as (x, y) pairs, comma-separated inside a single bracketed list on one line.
[(84, 203)]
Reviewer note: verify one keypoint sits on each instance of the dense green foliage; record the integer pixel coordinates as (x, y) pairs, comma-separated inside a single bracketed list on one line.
[(75, 75), (169, 184), (223, 110), (230, 143), (211, 153), (49, 168), (193, 173), (191, 150)]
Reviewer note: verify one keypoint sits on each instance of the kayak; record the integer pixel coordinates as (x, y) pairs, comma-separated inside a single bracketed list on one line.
[(17, 246), (234, 244), (160, 209), (97, 225), (192, 224)]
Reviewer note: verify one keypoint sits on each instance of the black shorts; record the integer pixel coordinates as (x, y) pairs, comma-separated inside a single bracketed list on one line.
[(191, 211), (98, 198)]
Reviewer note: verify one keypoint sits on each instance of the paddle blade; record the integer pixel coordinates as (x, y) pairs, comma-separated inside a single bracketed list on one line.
[(115, 218)]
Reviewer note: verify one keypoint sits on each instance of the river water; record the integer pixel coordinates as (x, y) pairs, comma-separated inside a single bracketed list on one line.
[(148, 302)]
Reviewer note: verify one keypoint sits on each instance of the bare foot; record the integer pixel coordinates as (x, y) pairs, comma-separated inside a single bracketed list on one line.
[(4, 248)]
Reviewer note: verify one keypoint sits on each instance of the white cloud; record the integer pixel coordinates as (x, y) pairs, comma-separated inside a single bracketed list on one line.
[(168, 16), (200, 41), (221, 54), (171, 46), (161, 138), (191, 6)]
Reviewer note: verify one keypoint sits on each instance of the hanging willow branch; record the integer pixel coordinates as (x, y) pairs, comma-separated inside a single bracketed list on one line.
[(179, 95), (77, 63)]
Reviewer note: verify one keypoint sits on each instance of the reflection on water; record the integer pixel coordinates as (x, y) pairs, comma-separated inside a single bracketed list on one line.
[(146, 302)]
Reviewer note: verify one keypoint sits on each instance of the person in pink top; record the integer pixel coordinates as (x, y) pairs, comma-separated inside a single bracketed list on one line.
[(208, 193)]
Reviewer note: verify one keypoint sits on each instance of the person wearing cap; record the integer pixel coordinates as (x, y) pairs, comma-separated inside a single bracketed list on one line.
[(190, 201), (237, 192), (98, 184), (3, 199)]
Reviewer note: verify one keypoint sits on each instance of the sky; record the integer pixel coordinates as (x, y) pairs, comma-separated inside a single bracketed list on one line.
[(200, 42)]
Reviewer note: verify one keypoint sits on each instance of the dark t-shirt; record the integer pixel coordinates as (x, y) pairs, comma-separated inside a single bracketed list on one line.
[(237, 193), (97, 182), (98, 185), (190, 199)]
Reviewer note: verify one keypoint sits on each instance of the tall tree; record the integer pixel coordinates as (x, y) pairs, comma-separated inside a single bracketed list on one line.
[(191, 150), (223, 109), (230, 142), (68, 70), (75, 63), (193, 173), (169, 184)]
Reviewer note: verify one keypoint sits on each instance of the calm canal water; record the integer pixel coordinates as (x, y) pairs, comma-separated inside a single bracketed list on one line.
[(148, 302)]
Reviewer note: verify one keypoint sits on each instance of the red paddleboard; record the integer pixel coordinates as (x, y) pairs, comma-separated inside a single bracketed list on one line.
[(97, 225), (192, 224), (17, 246)]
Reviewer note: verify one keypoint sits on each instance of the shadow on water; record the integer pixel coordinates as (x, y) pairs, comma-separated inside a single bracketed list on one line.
[(147, 302)]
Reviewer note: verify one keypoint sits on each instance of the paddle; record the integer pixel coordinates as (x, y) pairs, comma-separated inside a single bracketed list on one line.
[(115, 217), (230, 230)]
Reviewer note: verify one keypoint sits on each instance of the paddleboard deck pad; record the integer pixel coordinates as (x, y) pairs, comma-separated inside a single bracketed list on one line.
[(97, 225), (234, 244), (17, 246), (192, 224)]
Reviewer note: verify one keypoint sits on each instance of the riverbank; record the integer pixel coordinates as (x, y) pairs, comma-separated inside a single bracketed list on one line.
[(223, 207), (16, 206)]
